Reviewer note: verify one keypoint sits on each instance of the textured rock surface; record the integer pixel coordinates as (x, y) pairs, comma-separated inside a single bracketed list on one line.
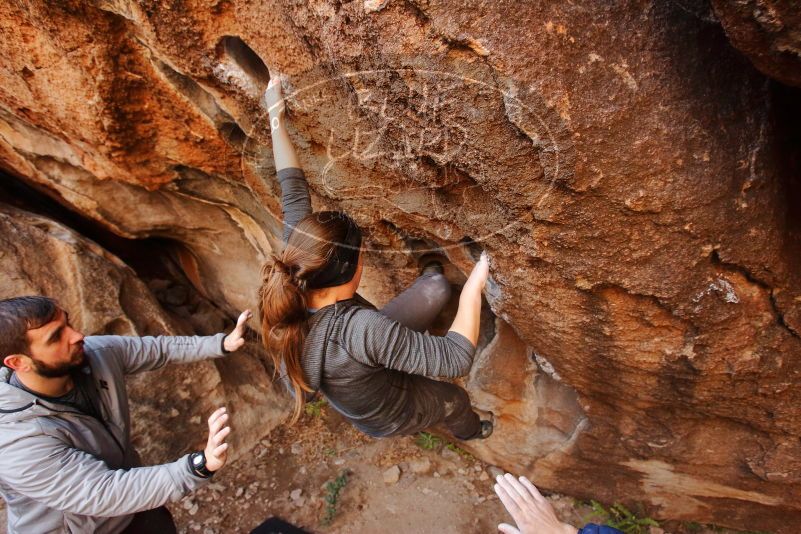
[(768, 32), (632, 176), (104, 296)]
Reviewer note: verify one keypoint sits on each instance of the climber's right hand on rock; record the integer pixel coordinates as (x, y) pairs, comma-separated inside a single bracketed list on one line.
[(478, 277), (273, 99), (216, 448)]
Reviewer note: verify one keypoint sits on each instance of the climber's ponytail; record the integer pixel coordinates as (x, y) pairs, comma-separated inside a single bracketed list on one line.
[(283, 297)]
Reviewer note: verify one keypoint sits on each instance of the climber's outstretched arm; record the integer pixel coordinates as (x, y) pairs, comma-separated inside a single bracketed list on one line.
[(295, 201), (283, 151), (468, 315)]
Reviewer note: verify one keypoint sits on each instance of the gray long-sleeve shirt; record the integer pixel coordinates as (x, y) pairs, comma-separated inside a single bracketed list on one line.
[(295, 200), (367, 365)]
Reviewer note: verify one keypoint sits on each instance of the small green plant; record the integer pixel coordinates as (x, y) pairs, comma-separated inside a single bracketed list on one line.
[(329, 451), (332, 491), (428, 441), (621, 518), (315, 408), (458, 450)]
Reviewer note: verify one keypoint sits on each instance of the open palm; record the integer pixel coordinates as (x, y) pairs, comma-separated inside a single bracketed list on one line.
[(236, 338)]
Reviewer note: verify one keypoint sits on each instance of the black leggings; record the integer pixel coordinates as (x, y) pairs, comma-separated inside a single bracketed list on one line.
[(442, 402), (158, 520)]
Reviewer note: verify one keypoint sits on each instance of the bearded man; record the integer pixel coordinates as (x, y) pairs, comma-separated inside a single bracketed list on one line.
[(66, 459)]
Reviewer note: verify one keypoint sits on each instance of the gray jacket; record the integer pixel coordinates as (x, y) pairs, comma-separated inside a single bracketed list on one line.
[(63, 471), (373, 369)]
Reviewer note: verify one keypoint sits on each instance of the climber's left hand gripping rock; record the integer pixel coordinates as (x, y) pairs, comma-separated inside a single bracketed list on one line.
[(273, 102)]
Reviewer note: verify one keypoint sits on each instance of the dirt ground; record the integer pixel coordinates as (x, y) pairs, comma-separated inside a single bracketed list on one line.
[(439, 490), (448, 493)]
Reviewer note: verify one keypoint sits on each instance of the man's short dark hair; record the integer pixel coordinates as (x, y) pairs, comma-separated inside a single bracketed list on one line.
[(17, 316)]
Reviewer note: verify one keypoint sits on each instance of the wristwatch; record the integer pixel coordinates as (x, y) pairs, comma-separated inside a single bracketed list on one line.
[(197, 464)]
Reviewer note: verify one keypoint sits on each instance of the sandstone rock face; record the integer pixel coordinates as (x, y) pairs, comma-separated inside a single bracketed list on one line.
[(768, 32), (633, 178), (104, 296)]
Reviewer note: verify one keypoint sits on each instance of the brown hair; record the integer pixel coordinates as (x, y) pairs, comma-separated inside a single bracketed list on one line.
[(283, 293), (17, 316)]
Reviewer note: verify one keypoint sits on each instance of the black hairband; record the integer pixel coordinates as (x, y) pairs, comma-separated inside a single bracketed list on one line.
[(343, 262)]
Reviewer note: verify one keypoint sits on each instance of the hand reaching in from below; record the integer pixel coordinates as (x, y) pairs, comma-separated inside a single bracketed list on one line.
[(531, 511)]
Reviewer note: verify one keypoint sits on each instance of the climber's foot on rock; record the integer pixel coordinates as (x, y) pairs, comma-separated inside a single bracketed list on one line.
[(484, 431), (432, 263), (429, 257), (485, 415), (487, 424)]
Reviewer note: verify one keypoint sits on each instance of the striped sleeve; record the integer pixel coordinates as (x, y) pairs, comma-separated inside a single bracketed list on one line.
[(374, 339), (295, 199)]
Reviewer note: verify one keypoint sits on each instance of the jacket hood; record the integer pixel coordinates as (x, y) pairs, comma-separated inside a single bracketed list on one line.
[(322, 328), (17, 405), (316, 343)]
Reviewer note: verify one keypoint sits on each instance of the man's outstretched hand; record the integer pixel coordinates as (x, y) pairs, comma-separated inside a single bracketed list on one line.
[(216, 448), (236, 339), (531, 511)]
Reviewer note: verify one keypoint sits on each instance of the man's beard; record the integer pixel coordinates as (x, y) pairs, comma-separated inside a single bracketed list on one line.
[(60, 370)]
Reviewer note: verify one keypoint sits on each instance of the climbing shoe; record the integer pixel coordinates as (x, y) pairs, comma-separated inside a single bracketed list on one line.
[(486, 429), (431, 263), (429, 256)]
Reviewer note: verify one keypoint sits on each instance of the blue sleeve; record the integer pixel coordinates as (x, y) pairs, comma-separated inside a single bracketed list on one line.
[(592, 528)]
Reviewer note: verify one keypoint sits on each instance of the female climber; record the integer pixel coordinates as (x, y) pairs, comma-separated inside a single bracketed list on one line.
[(371, 366)]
